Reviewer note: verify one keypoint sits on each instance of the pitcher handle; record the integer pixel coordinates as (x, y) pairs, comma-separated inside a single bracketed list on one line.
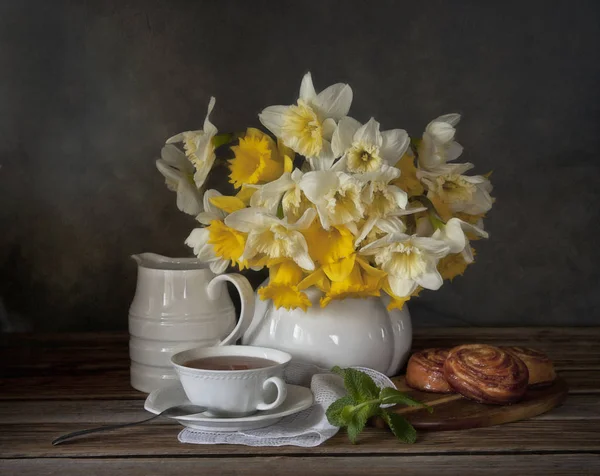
[(246, 298)]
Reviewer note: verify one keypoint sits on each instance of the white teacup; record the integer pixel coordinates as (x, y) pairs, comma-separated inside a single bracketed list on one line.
[(233, 393)]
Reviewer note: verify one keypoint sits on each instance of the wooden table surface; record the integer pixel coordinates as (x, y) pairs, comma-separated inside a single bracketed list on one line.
[(54, 384)]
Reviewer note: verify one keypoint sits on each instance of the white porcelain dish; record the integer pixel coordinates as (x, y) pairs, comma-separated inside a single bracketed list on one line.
[(298, 399)]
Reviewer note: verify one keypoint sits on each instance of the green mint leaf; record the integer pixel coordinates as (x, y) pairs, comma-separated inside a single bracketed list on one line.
[(334, 412), (358, 384), (353, 430), (400, 427), (359, 419), (390, 395)]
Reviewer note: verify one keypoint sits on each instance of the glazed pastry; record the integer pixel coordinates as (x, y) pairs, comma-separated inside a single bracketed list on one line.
[(425, 371), (486, 374), (541, 369)]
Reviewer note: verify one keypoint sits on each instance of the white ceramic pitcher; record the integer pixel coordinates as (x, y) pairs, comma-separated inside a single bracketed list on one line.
[(180, 303)]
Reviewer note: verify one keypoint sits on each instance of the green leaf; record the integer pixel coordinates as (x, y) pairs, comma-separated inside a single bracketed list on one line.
[(400, 427), (221, 139), (390, 395), (334, 412), (359, 420), (358, 384)]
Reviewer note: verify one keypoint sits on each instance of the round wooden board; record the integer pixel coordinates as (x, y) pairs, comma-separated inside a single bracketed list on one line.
[(454, 412)]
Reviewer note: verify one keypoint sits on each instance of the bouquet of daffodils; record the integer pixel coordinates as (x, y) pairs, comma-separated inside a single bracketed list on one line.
[(331, 203)]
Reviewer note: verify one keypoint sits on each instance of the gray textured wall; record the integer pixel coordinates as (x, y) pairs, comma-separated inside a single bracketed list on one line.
[(89, 91)]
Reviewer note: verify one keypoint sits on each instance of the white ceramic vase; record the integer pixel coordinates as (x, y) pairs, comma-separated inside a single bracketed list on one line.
[(349, 332)]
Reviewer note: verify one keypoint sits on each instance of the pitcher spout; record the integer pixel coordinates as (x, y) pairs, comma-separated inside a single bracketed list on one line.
[(156, 261)]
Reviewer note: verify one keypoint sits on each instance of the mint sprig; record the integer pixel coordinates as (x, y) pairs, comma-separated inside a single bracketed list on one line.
[(364, 400)]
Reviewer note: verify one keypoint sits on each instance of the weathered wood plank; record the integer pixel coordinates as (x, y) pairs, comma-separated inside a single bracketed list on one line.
[(160, 439), (89, 413), (581, 464), (114, 384), (39, 354)]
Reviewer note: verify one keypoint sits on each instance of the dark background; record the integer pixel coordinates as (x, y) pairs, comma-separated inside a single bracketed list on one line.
[(89, 91)]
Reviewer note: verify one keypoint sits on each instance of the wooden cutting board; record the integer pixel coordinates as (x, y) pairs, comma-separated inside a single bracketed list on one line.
[(454, 412)]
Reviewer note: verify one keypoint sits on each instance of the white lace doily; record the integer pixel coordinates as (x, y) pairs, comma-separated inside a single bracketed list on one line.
[(307, 428)]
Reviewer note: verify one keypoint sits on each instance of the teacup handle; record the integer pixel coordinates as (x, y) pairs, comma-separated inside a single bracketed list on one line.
[(281, 393), (246, 297)]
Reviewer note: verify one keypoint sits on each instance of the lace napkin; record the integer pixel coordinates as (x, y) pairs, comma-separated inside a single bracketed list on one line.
[(307, 428)]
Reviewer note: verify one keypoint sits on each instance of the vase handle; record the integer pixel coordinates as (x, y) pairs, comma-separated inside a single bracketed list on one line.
[(246, 298)]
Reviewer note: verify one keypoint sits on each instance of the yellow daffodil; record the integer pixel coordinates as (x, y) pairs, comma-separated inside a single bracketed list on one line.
[(199, 147), (282, 288), (308, 126), (179, 177), (337, 197), (409, 261), (217, 244), (333, 249), (270, 238), (364, 148), (363, 281), (257, 159)]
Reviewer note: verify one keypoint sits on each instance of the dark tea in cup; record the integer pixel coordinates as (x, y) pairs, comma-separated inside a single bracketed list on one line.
[(229, 362)]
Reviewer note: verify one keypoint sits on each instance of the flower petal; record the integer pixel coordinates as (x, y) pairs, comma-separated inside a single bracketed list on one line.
[(175, 157), (431, 280), (317, 184), (219, 266), (343, 135), (305, 220), (401, 286), (400, 196), (434, 248), (188, 198), (334, 101), (198, 241), (228, 204), (208, 206), (329, 127), (307, 89), (273, 118), (451, 119), (369, 134), (250, 219), (394, 145), (209, 128)]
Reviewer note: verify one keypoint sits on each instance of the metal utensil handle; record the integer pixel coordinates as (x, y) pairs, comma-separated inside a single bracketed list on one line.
[(74, 434)]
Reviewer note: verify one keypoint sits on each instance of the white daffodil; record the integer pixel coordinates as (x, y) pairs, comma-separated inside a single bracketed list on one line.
[(460, 193), (382, 200), (284, 190), (307, 127), (178, 173), (199, 147), (410, 261), (365, 148), (454, 234), (270, 238), (337, 197), (438, 145)]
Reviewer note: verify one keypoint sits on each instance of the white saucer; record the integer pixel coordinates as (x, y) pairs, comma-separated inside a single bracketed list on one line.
[(298, 399)]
